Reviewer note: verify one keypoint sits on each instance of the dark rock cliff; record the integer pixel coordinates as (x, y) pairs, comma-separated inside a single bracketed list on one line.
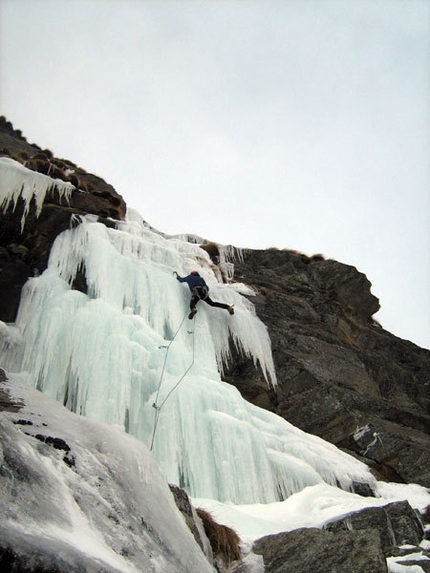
[(340, 375)]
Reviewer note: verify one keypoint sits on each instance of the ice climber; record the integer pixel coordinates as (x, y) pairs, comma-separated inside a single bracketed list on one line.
[(200, 291)]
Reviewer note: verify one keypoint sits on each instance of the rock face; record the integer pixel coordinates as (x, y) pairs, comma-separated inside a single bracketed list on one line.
[(396, 524), (359, 542), (341, 376), (24, 254), (304, 550), (191, 519)]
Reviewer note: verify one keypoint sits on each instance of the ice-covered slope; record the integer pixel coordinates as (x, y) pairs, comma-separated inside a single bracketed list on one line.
[(102, 505)]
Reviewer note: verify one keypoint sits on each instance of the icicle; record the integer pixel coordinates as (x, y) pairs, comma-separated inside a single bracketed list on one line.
[(231, 253), (17, 181)]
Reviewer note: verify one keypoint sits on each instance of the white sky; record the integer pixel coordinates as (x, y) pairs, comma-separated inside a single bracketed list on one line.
[(300, 124)]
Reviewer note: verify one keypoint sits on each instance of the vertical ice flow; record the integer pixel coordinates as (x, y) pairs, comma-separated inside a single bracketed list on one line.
[(101, 352)]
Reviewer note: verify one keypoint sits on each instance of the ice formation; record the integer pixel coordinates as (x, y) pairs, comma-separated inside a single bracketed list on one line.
[(102, 353), (109, 509), (16, 181)]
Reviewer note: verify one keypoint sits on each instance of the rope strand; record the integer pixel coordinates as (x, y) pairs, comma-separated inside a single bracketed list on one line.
[(180, 379), (165, 359), (158, 408)]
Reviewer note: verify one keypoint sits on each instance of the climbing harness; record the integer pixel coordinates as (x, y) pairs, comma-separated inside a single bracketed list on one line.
[(154, 405), (200, 291)]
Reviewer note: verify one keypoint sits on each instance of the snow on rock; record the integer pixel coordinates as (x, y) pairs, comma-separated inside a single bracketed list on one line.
[(395, 567), (104, 355), (314, 506), (85, 495)]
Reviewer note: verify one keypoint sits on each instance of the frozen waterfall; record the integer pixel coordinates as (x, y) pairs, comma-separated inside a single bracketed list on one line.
[(103, 354)]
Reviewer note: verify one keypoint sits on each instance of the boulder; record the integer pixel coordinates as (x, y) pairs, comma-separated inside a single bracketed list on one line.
[(305, 550), (397, 524)]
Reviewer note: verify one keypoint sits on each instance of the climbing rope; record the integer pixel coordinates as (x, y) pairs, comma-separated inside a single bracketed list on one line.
[(165, 357), (154, 405)]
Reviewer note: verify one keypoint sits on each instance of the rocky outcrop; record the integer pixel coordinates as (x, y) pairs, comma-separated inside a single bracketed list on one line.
[(396, 524), (25, 252), (361, 541), (304, 550), (191, 519), (340, 375)]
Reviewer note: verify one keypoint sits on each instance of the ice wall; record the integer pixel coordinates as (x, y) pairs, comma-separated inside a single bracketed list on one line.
[(103, 355)]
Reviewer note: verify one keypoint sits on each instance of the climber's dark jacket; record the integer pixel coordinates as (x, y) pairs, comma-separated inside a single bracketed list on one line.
[(194, 280)]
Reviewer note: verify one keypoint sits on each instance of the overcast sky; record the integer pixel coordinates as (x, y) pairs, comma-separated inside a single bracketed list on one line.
[(294, 124)]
